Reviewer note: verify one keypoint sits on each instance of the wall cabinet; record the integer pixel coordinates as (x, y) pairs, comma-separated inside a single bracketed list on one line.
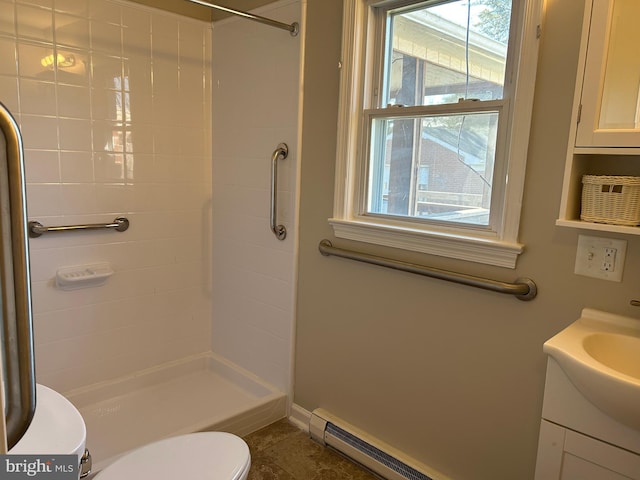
[(605, 130)]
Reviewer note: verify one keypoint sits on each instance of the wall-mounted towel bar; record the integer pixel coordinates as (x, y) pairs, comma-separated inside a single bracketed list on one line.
[(523, 288), (36, 229)]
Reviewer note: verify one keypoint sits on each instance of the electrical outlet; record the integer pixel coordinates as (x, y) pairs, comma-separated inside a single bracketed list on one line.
[(600, 257), (609, 260)]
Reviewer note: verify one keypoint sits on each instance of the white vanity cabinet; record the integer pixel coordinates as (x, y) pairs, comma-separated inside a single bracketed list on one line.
[(605, 125), (578, 441)]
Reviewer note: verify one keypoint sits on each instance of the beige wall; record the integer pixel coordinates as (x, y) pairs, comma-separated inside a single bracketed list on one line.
[(451, 375)]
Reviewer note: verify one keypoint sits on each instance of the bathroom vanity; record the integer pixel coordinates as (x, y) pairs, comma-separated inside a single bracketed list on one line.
[(590, 426)]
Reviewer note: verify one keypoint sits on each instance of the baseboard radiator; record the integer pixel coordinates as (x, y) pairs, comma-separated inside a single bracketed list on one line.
[(373, 454)]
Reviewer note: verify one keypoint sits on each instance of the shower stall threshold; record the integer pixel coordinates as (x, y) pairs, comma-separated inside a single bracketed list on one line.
[(199, 393)]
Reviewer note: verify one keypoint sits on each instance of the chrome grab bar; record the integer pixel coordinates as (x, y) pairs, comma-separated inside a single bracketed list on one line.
[(280, 153), (20, 383), (36, 229), (523, 289)]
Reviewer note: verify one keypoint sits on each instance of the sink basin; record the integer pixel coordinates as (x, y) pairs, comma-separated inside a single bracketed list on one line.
[(618, 352), (600, 354)]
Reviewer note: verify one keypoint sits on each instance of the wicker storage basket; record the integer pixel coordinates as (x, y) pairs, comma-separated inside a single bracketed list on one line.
[(611, 199)]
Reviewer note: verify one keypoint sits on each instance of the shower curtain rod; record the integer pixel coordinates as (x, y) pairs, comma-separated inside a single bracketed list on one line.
[(294, 28)]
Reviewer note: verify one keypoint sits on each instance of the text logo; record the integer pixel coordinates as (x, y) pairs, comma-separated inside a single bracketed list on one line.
[(50, 467)]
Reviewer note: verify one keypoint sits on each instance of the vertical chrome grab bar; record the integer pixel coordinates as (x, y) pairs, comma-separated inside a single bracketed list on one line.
[(280, 153), (17, 322)]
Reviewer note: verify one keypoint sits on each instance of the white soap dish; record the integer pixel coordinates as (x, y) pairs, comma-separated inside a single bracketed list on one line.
[(83, 276)]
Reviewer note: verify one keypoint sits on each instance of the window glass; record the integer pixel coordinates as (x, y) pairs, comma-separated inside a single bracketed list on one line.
[(440, 53), (437, 167)]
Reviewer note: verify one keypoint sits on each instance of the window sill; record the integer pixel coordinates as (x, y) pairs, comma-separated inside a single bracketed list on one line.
[(488, 251)]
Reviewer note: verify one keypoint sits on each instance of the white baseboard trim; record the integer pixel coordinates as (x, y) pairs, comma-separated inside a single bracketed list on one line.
[(300, 417)]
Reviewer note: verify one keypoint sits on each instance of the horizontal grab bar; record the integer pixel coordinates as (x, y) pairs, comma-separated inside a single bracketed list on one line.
[(523, 289), (36, 229)]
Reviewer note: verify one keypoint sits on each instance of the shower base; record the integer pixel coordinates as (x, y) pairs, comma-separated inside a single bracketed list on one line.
[(200, 393)]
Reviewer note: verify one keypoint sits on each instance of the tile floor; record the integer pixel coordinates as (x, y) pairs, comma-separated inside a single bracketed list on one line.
[(282, 451)]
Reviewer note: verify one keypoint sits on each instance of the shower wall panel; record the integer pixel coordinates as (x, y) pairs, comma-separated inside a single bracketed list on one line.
[(113, 100), (256, 85)]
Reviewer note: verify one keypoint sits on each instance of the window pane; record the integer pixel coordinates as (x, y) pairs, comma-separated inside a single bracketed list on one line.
[(441, 53), (433, 167)]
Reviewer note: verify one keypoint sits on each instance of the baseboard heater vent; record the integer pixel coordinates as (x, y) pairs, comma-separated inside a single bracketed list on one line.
[(366, 450)]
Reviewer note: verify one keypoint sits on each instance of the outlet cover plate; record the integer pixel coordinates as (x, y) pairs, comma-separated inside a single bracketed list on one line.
[(594, 257)]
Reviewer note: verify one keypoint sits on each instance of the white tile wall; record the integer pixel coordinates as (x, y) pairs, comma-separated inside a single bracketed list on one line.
[(255, 107), (124, 129)]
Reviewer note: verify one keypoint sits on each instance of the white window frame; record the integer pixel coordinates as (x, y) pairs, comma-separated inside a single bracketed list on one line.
[(497, 246)]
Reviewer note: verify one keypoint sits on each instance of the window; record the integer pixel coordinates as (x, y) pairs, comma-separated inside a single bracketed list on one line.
[(430, 125)]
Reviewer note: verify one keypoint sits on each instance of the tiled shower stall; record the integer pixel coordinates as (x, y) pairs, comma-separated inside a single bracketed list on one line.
[(130, 111)]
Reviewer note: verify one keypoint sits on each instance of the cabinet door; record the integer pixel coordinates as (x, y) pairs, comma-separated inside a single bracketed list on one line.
[(564, 454), (610, 101), (576, 468)]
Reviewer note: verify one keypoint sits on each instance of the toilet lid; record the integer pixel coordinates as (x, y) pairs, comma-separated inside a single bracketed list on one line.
[(57, 427), (197, 456)]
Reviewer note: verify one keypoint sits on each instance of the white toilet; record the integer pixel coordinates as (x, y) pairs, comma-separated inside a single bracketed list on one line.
[(58, 428), (196, 456)]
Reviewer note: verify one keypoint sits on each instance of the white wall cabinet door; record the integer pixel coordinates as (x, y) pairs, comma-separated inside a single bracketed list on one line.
[(610, 101)]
